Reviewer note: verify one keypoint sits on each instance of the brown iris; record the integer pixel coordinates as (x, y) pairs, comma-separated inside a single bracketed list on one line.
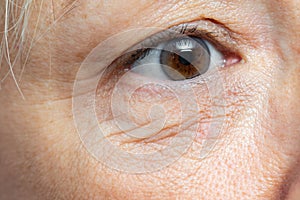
[(185, 58)]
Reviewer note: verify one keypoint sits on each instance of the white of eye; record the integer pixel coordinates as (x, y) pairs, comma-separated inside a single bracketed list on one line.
[(149, 65)]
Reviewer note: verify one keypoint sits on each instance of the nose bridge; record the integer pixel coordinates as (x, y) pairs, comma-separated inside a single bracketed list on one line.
[(286, 18), (293, 17)]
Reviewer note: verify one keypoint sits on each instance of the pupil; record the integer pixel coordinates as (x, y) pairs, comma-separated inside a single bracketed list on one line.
[(186, 57)]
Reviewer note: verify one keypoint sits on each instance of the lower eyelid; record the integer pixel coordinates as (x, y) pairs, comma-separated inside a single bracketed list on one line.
[(167, 98), (203, 115)]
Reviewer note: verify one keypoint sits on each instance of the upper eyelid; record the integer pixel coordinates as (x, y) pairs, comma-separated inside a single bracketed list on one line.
[(224, 39), (215, 32)]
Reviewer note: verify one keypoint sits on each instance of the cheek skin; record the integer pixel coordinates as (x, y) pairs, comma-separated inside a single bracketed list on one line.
[(239, 163)]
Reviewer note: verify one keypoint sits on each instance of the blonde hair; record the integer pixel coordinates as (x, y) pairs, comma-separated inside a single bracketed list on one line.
[(13, 31)]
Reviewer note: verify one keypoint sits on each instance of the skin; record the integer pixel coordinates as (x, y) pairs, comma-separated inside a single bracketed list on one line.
[(257, 154)]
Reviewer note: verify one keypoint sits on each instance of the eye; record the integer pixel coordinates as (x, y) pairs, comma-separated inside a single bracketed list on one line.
[(178, 59), (138, 114)]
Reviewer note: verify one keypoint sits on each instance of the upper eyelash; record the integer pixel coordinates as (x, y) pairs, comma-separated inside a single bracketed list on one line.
[(205, 29), (172, 33), (149, 51), (148, 45)]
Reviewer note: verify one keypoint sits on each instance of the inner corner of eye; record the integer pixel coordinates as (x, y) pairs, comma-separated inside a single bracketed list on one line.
[(231, 59)]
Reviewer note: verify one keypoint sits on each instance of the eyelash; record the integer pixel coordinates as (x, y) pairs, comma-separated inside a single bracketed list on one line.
[(206, 29)]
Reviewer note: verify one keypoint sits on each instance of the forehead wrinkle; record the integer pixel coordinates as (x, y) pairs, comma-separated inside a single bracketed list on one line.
[(150, 12)]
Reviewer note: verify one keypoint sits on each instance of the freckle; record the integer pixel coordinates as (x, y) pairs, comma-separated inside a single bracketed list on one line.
[(80, 56)]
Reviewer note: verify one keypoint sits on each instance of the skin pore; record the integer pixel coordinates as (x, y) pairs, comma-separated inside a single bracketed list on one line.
[(257, 154)]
